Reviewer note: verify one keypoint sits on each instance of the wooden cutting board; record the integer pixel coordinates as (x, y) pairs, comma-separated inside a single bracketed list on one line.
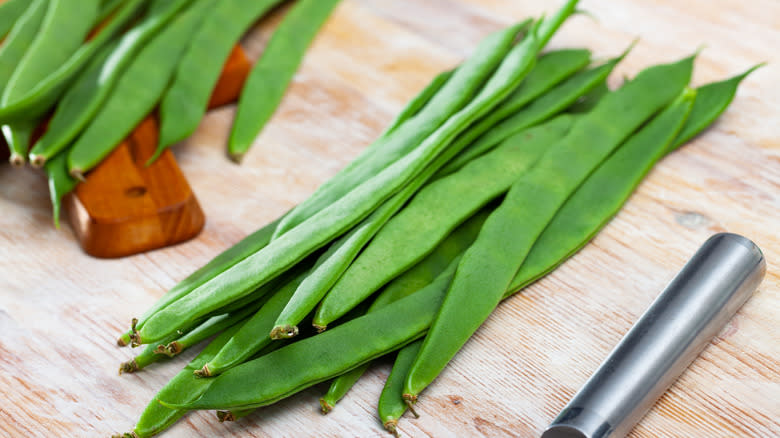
[(60, 310)]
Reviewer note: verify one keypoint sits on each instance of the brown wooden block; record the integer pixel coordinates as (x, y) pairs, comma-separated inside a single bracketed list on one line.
[(125, 207)]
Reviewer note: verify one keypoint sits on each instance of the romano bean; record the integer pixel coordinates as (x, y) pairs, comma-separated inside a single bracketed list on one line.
[(711, 100), (241, 250), (547, 105), (185, 101), (60, 183), (334, 220), (183, 388), (391, 403), (84, 98), (414, 279), (508, 234), (17, 137), (267, 82), (306, 362), (452, 97), (253, 335), (589, 100), (602, 195), (433, 213), (137, 91), (39, 100), (10, 12)]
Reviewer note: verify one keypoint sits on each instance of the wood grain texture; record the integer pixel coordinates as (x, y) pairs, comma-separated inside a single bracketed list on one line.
[(60, 310)]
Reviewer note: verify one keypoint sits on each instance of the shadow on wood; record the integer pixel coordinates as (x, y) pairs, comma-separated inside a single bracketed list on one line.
[(125, 207)]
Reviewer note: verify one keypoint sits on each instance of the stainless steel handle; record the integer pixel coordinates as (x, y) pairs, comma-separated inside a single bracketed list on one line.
[(706, 293)]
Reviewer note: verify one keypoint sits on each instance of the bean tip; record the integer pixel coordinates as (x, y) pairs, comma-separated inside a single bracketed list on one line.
[(123, 340), (16, 160), (37, 161), (325, 406), (284, 332), (203, 372), (236, 157), (224, 416), (129, 367), (320, 327), (78, 174), (392, 427)]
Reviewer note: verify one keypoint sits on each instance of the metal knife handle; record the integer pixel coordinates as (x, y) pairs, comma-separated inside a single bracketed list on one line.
[(706, 293)]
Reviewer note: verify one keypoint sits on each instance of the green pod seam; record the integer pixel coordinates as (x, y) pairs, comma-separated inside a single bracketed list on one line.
[(411, 281), (92, 87), (433, 213), (241, 250), (271, 75), (332, 221), (10, 12), (185, 102), (306, 362), (137, 91), (452, 97), (391, 404), (508, 234), (602, 195)]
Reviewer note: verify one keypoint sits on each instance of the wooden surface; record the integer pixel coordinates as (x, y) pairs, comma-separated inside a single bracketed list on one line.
[(60, 310), (126, 207)]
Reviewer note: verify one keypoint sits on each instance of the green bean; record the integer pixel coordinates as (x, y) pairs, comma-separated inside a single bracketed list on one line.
[(211, 327), (602, 195), (309, 361), (589, 100), (554, 101), (186, 100), (84, 98), (60, 183), (417, 103), (332, 221), (267, 82), (12, 52), (340, 255), (433, 213), (39, 100), (148, 356), (10, 12), (550, 70), (711, 100), (184, 387), (452, 97), (252, 337), (414, 279), (391, 404), (241, 250), (508, 234), (137, 90)]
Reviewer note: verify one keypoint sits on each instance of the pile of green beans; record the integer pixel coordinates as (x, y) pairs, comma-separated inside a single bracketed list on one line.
[(87, 76)]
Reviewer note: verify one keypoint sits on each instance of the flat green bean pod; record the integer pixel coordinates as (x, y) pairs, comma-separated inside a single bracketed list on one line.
[(241, 250), (452, 97), (186, 100), (10, 12), (183, 388), (137, 91), (83, 99), (509, 233), (413, 280), (391, 404), (547, 105), (433, 213), (309, 361), (252, 336), (332, 221), (602, 195), (267, 82), (44, 94)]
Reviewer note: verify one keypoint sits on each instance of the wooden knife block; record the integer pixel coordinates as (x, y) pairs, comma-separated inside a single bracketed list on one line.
[(125, 207)]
